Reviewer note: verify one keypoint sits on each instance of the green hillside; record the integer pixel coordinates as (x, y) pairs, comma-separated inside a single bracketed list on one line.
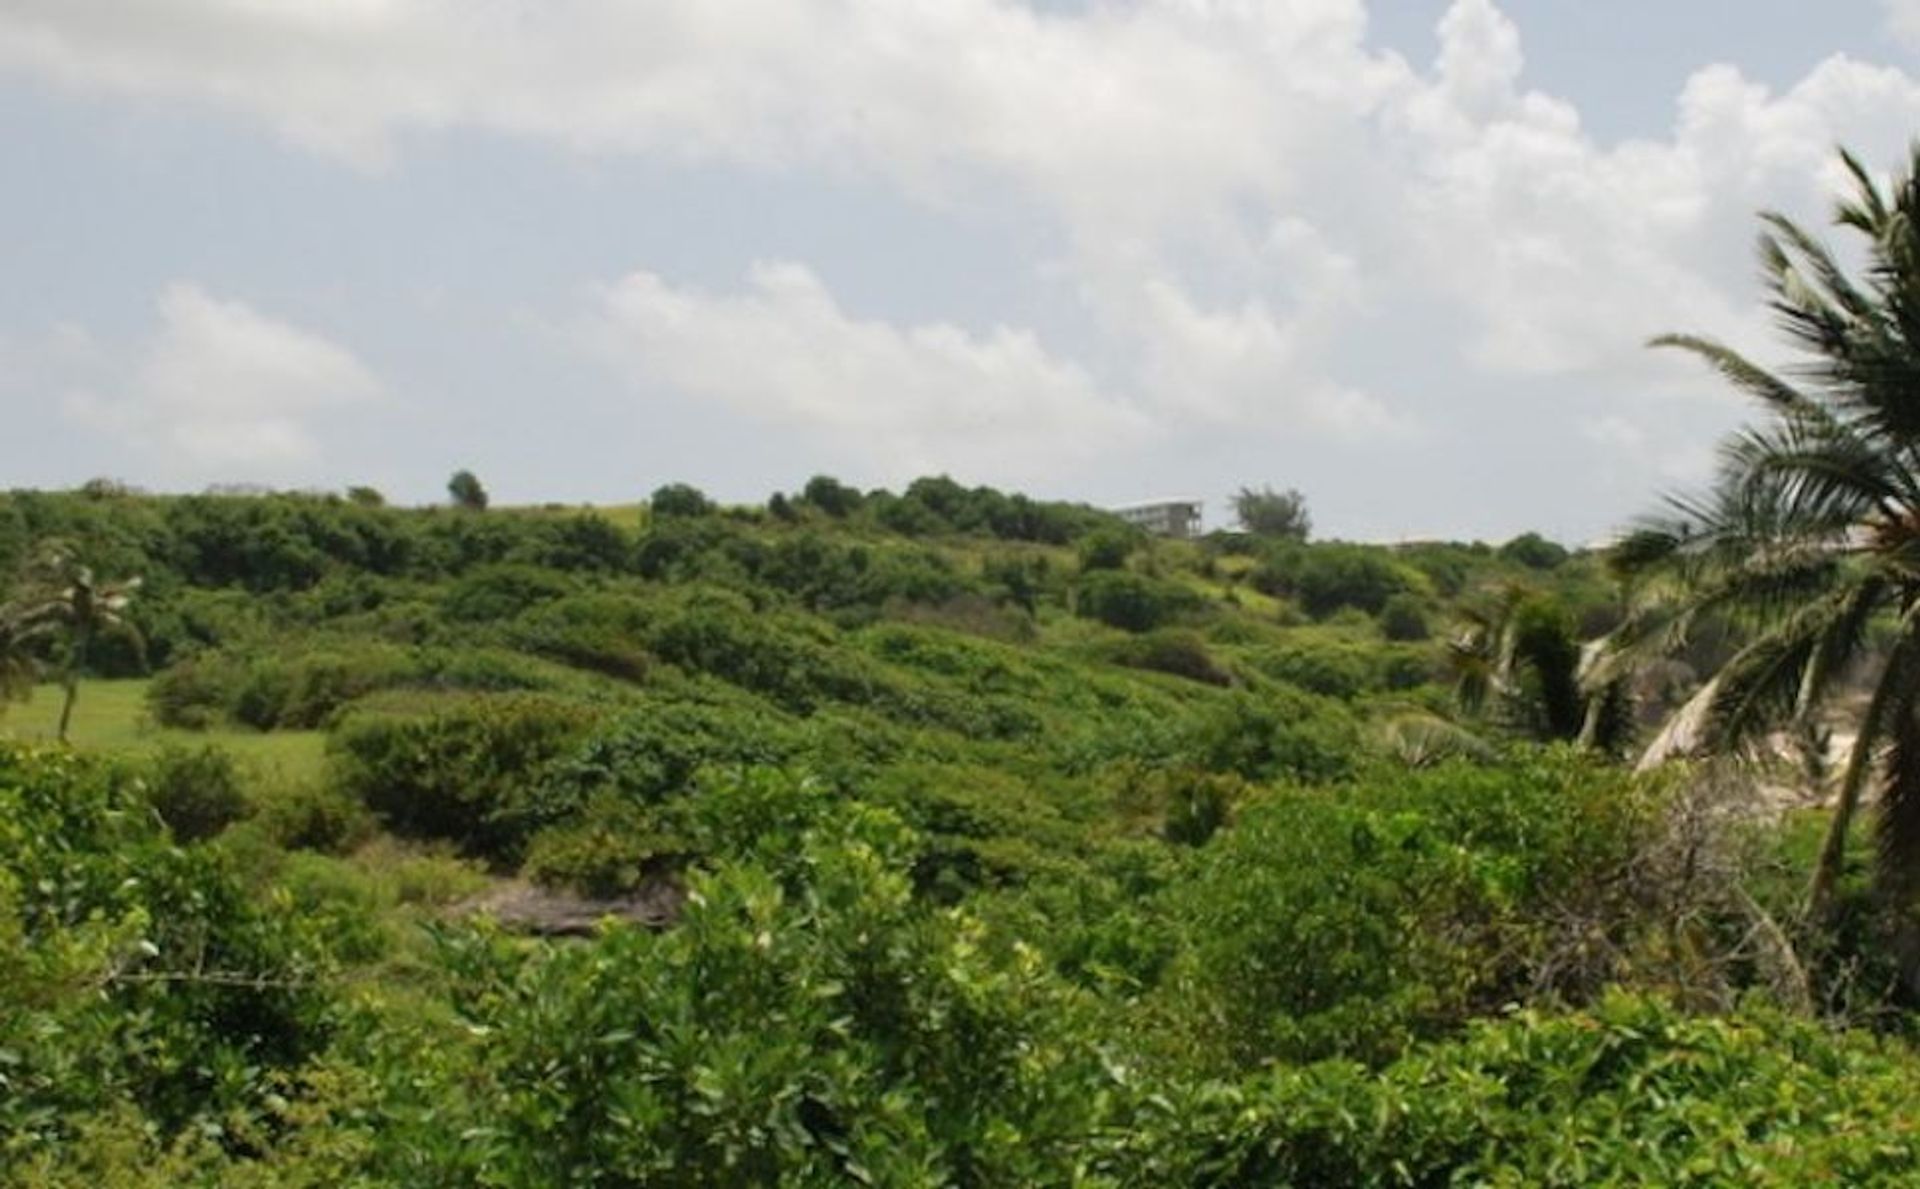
[(1002, 845)]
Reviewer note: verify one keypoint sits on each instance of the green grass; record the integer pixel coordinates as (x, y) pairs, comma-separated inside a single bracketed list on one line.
[(112, 716)]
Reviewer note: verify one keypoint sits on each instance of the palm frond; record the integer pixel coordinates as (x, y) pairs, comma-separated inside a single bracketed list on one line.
[(1744, 374), (1866, 212), (1420, 740), (1789, 240), (1772, 678)]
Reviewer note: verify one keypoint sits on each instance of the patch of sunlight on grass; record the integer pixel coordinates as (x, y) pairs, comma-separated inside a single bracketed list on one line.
[(112, 716)]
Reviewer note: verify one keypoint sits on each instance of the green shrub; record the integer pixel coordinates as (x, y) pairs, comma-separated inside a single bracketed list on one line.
[(1534, 552), (1325, 578), (840, 1036), (467, 770), (601, 633), (611, 848), (651, 755), (1356, 920), (792, 663), (1132, 602), (135, 976), (979, 827), (1403, 617), (1198, 805), (831, 496), (1634, 1092), (313, 815), (1179, 652), (195, 791), (501, 592), (338, 900), (429, 877), (1107, 549), (191, 694), (1280, 734), (1335, 670)]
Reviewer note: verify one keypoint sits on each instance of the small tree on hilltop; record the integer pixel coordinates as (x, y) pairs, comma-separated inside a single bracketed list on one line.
[(1270, 513), (679, 499), (831, 496), (466, 491)]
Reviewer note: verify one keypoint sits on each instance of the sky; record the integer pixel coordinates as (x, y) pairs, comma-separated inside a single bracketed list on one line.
[(1402, 256)]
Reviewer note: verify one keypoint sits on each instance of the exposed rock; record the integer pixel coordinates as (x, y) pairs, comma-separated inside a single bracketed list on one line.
[(547, 912)]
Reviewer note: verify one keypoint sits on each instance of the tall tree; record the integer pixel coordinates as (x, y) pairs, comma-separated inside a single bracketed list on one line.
[(1810, 533), (1270, 513), (64, 598)]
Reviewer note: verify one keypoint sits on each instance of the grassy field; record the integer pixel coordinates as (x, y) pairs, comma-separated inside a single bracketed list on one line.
[(112, 716)]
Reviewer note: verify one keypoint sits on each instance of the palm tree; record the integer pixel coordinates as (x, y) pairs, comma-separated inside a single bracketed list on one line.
[(19, 667), (64, 598), (1515, 657), (1808, 541)]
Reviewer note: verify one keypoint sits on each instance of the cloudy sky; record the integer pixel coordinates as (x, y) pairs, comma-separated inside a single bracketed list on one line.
[(1400, 254)]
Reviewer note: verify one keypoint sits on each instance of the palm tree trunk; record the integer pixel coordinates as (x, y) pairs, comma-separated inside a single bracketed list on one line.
[(66, 707), (75, 660), (1833, 851)]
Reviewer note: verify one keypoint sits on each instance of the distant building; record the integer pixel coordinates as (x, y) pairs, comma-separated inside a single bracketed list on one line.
[(1164, 518)]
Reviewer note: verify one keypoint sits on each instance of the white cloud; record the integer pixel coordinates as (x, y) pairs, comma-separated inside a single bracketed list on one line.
[(1244, 188), (912, 399), (219, 385), (1903, 19)]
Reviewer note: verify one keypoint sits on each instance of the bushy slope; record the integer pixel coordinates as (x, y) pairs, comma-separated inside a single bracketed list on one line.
[(1017, 849)]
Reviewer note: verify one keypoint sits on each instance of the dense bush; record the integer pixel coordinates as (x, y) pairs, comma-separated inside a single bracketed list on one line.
[(1132, 602), (1107, 549), (831, 496), (649, 755), (133, 974), (1342, 668), (1633, 1093), (1177, 651), (467, 770), (501, 592), (1351, 922), (1278, 734), (1325, 578), (195, 791), (1534, 552), (305, 687), (1403, 617), (791, 663), (602, 633), (609, 848), (808, 1020), (841, 1036), (313, 815)]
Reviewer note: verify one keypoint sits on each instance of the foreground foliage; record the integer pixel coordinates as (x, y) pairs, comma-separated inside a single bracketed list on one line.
[(811, 1019)]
